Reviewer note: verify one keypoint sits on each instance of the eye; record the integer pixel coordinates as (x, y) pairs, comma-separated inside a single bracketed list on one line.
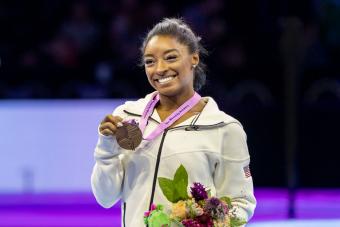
[(149, 62), (171, 58)]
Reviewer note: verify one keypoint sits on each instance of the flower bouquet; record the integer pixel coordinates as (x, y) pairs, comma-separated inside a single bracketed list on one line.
[(199, 209)]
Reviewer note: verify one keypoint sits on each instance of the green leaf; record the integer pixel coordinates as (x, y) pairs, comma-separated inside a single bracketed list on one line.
[(159, 218), (201, 203), (181, 173), (167, 187), (180, 190), (227, 200), (209, 193), (176, 189), (181, 184), (235, 222)]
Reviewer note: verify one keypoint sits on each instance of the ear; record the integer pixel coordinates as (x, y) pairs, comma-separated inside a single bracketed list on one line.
[(195, 59)]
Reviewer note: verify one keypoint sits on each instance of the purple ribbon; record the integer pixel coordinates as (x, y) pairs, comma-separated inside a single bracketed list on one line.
[(184, 108)]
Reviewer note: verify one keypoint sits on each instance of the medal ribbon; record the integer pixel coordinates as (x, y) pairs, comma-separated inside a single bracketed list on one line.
[(184, 108)]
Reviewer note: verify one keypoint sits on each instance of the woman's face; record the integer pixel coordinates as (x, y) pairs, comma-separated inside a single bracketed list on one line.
[(168, 65)]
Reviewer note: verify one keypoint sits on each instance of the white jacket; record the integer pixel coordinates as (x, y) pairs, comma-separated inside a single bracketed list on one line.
[(211, 146)]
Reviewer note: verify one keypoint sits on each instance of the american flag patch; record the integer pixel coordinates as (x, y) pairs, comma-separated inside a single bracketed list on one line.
[(246, 171)]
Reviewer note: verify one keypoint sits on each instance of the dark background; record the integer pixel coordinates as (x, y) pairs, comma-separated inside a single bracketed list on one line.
[(274, 65)]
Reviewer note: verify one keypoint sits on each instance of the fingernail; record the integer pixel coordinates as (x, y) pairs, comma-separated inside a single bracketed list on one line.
[(119, 124)]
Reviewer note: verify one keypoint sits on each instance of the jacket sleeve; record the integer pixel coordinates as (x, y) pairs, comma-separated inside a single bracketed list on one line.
[(108, 171), (232, 174)]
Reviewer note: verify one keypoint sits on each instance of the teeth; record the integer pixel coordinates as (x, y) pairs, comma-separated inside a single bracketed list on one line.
[(165, 80)]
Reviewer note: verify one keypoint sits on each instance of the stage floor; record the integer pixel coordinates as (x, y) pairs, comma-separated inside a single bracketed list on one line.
[(297, 223), (312, 208)]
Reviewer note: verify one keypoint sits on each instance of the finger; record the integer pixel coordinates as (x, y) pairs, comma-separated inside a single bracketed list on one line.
[(107, 132), (108, 125), (116, 120), (108, 118)]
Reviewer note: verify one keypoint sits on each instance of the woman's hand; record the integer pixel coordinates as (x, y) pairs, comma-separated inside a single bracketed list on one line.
[(109, 125)]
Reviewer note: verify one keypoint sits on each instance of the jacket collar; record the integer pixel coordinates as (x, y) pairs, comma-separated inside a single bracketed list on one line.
[(210, 114)]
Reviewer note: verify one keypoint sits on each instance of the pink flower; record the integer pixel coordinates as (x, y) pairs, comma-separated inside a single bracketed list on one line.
[(191, 223), (153, 207), (147, 213)]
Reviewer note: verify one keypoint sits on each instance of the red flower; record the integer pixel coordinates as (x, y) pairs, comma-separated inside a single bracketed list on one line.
[(205, 219)]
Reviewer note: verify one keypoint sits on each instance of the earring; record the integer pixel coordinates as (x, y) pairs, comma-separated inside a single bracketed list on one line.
[(194, 66)]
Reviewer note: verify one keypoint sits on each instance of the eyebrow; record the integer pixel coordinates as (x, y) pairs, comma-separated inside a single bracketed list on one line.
[(165, 52)]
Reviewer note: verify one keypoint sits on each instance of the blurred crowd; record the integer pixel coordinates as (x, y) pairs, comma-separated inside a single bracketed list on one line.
[(90, 49)]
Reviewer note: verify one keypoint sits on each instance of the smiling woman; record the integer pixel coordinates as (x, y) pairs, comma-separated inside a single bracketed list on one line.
[(169, 66), (178, 127), (186, 42)]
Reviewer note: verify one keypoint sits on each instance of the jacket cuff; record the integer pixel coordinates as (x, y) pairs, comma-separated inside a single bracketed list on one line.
[(107, 146)]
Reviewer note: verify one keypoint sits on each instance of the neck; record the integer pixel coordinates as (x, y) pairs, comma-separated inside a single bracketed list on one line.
[(168, 103)]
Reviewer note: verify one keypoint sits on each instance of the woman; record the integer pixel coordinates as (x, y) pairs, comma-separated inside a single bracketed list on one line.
[(209, 143)]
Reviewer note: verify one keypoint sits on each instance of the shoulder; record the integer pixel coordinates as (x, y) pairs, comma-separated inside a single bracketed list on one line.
[(211, 114)]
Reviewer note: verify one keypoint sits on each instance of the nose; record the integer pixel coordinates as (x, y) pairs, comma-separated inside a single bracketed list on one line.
[(161, 67)]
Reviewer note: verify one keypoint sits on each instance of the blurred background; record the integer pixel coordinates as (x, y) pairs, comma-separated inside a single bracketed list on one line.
[(65, 64)]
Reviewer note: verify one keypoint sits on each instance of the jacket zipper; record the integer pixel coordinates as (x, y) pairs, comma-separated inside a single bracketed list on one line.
[(190, 127), (161, 147), (156, 168), (124, 214)]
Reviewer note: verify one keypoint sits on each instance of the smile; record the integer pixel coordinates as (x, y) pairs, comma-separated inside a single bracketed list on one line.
[(165, 79)]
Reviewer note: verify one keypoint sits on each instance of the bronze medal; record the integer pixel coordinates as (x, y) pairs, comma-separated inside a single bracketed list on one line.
[(129, 136)]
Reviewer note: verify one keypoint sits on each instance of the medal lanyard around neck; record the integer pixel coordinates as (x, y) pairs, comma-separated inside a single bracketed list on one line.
[(184, 108)]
